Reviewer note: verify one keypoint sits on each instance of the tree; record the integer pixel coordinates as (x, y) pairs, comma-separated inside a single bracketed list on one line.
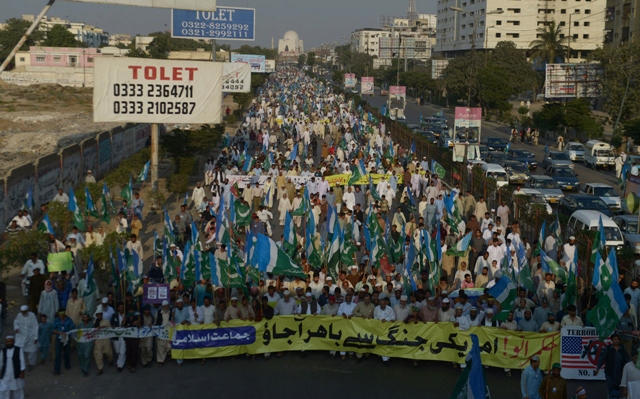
[(577, 115), (59, 36), (11, 35), (549, 45), (513, 62), (456, 78), (494, 89), (159, 47), (632, 130), (311, 58), (137, 53), (550, 117), (302, 59), (267, 52)]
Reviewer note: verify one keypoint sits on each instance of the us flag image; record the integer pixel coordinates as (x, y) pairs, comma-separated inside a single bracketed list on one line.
[(581, 352)]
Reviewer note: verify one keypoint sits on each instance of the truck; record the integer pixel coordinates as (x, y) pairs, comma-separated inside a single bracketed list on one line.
[(598, 154)]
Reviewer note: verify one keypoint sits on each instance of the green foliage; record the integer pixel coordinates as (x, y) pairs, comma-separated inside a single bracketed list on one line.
[(271, 54), (493, 92), (187, 143), (100, 253), (513, 62), (550, 117), (137, 53), (576, 114), (17, 249), (11, 35), (311, 58), (632, 130), (549, 45), (358, 63), (620, 67), (242, 99), (257, 80), (419, 80), (60, 218), (160, 47), (59, 36), (128, 167), (178, 183), (302, 59)]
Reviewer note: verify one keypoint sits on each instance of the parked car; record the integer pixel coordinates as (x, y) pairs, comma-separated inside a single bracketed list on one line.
[(415, 128), (556, 158), (445, 141), (537, 198), (517, 172), (590, 220), (495, 143), (628, 225), (496, 157), (524, 156), (575, 151), (547, 186), (429, 136), (484, 152), (567, 180), (581, 202), (606, 193)]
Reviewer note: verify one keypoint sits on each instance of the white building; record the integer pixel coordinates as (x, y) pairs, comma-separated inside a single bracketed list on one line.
[(291, 44), (87, 34), (120, 38), (367, 40), (493, 21)]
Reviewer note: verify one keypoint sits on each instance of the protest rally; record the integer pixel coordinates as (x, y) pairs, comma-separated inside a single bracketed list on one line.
[(316, 227)]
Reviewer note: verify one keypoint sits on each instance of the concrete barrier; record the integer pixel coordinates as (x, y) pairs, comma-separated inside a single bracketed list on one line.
[(48, 175)]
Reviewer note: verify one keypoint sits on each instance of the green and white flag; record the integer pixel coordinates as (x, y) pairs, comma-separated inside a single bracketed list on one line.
[(438, 169), (90, 283), (333, 258), (90, 207), (144, 172), (599, 242), (105, 211), (127, 191), (505, 292), (78, 219), (359, 171), (461, 247), (243, 214), (267, 257), (610, 308)]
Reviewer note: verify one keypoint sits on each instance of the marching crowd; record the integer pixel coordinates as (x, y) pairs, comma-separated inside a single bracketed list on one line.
[(298, 135)]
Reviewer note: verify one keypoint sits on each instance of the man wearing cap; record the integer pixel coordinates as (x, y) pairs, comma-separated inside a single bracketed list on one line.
[(429, 312), (569, 250), (531, 379), (630, 383), (25, 328), (331, 308), (581, 393), (181, 316), (488, 320), (401, 310), (232, 312), (309, 306), (446, 312), (118, 320), (527, 323), (459, 319), (146, 343), (384, 313), (12, 367), (553, 386), (101, 347), (285, 306), (107, 311)]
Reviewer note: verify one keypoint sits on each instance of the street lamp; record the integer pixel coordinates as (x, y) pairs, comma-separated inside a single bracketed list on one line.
[(471, 72)]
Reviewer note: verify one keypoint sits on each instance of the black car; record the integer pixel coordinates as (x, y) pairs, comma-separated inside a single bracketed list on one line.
[(495, 143), (525, 157), (577, 202), (429, 136), (496, 157)]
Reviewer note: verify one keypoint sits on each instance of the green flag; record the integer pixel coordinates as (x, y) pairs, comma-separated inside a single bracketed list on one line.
[(525, 278), (243, 214)]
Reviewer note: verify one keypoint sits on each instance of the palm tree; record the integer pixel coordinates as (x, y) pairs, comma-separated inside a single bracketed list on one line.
[(549, 44)]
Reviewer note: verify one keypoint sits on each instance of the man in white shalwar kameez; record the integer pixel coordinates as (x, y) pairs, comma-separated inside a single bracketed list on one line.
[(25, 328), (12, 380), (198, 195)]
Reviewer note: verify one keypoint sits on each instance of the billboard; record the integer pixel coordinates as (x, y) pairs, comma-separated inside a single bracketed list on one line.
[(228, 23), (397, 102), (573, 80), (156, 91), (469, 121), (270, 66), (366, 85), (350, 80), (257, 62), (236, 78), (202, 5), (438, 67)]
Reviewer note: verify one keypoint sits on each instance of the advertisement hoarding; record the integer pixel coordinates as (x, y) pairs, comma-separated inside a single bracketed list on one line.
[(157, 91), (573, 80), (397, 102), (349, 80), (469, 121), (366, 85), (438, 67), (270, 66), (202, 5), (236, 78), (257, 62), (228, 23)]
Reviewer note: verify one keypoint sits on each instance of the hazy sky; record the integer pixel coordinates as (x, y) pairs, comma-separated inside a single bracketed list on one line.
[(316, 21)]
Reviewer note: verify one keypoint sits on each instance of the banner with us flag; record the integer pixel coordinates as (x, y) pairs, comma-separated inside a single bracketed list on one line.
[(579, 352)]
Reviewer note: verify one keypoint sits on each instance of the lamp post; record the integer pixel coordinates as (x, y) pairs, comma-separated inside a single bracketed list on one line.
[(472, 66), (486, 43)]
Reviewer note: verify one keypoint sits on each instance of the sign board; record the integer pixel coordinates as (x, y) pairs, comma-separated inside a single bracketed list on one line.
[(438, 67), (397, 102), (349, 80), (228, 23), (579, 352), (57, 262), (270, 66), (573, 80), (203, 5), (366, 85), (236, 78), (155, 293), (157, 91), (257, 62), (468, 120)]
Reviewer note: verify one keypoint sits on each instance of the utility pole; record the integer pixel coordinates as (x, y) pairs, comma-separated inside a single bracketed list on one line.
[(155, 144)]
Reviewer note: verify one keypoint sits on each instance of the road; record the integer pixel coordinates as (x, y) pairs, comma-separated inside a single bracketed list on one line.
[(493, 129)]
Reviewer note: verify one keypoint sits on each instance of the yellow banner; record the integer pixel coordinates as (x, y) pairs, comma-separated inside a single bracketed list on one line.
[(421, 341), (343, 179)]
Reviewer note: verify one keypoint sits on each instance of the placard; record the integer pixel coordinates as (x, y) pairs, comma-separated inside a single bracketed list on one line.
[(236, 78), (579, 352), (157, 91), (228, 23), (366, 85), (350, 80), (257, 62), (57, 262), (155, 293)]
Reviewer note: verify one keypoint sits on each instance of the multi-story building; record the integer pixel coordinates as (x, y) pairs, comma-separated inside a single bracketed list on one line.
[(120, 38), (87, 34), (483, 24), (622, 21), (367, 40)]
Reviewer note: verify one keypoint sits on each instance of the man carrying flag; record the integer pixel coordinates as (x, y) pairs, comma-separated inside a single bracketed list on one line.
[(78, 220)]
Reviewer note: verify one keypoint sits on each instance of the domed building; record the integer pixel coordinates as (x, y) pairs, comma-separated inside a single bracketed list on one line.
[(290, 44)]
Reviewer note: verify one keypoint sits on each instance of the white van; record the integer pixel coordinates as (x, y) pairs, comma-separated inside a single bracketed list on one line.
[(497, 172), (590, 220), (598, 153)]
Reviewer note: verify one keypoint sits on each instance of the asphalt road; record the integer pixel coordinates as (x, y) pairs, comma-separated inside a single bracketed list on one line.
[(492, 129), (316, 376)]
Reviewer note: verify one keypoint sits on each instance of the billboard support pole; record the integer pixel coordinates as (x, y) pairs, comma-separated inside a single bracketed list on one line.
[(155, 136), (24, 38), (213, 50)]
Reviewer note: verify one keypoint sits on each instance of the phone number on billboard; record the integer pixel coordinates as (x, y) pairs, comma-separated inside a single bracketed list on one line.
[(152, 90), (213, 25), (153, 107), (215, 33)]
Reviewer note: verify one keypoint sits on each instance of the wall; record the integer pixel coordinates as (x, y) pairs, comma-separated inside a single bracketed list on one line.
[(29, 75), (67, 168)]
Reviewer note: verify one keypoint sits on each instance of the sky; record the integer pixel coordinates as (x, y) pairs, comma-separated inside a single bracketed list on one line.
[(316, 21)]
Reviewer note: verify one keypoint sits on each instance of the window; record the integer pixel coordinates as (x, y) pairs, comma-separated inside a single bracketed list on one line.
[(587, 11), (513, 35), (562, 36), (563, 11), (498, 34), (463, 37), (464, 4), (498, 22), (21, 59), (56, 58), (39, 58), (73, 59), (514, 22), (90, 59), (463, 26), (585, 36), (576, 24), (575, 36), (587, 24), (562, 23), (514, 10)]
